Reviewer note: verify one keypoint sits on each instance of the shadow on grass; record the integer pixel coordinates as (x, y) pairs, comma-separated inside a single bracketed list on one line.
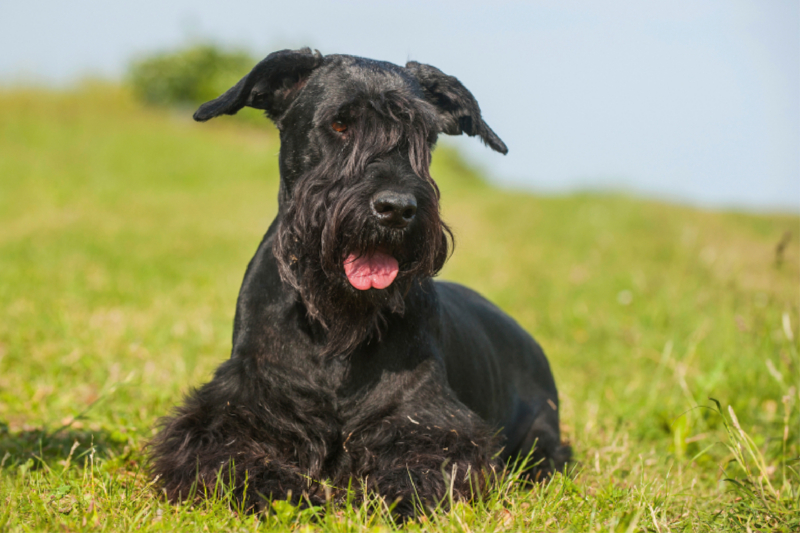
[(39, 447)]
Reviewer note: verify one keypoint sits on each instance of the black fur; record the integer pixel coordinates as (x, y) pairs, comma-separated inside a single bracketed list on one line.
[(413, 390)]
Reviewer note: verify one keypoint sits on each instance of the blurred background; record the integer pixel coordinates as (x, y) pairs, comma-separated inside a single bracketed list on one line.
[(695, 102)]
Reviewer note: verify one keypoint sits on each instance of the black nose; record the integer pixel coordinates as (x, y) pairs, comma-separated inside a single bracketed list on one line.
[(394, 209)]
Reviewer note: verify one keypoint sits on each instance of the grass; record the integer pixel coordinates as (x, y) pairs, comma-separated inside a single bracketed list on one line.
[(124, 234)]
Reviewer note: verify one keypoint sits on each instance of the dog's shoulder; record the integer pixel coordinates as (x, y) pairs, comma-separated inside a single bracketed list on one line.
[(483, 344), (462, 305)]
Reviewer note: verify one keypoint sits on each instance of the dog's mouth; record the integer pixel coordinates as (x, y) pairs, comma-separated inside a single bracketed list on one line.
[(372, 270)]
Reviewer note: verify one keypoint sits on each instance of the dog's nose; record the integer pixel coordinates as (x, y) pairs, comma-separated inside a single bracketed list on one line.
[(394, 209)]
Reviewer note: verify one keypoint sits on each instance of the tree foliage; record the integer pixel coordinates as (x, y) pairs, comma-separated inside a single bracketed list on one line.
[(188, 76)]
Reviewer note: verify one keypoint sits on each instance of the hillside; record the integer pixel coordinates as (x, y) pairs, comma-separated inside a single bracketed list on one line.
[(124, 235)]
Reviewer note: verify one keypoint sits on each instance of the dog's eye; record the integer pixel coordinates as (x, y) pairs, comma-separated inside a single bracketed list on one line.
[(340, 127)]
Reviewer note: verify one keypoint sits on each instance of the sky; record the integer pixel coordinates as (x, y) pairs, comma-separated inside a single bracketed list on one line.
[(691, 101)]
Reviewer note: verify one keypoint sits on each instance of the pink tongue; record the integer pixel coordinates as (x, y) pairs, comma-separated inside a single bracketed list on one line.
[(367, 271)]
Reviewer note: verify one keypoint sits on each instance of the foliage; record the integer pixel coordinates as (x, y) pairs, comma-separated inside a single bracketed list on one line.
[(124, 234), (189, 76)]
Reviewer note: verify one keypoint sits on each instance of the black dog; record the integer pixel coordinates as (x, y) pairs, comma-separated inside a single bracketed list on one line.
[(348, 361)]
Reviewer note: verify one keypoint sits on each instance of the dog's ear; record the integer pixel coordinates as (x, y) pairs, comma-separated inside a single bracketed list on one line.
[(271, 85), (458, 110)]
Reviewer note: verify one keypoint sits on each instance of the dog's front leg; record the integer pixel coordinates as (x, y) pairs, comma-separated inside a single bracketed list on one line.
[(263, 433), (423, 456)]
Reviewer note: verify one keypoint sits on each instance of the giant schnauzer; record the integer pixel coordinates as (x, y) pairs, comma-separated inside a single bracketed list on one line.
[(349, 361)]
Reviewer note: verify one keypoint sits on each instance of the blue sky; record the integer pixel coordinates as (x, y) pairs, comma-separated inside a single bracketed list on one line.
[(695, 101)]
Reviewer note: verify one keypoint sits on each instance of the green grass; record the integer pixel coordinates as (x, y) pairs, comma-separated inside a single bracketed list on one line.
[(124, 234)]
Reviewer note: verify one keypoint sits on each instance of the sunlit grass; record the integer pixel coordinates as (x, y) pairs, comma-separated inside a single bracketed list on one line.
[(124, 235)]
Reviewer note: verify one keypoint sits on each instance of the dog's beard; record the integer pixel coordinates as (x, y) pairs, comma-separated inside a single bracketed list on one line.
[(322, 229)]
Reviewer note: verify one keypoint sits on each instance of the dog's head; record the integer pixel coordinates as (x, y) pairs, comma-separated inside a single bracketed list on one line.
[(358, 219)]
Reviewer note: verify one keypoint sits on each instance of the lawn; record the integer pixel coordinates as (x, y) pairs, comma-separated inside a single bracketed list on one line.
[(124, 235)]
